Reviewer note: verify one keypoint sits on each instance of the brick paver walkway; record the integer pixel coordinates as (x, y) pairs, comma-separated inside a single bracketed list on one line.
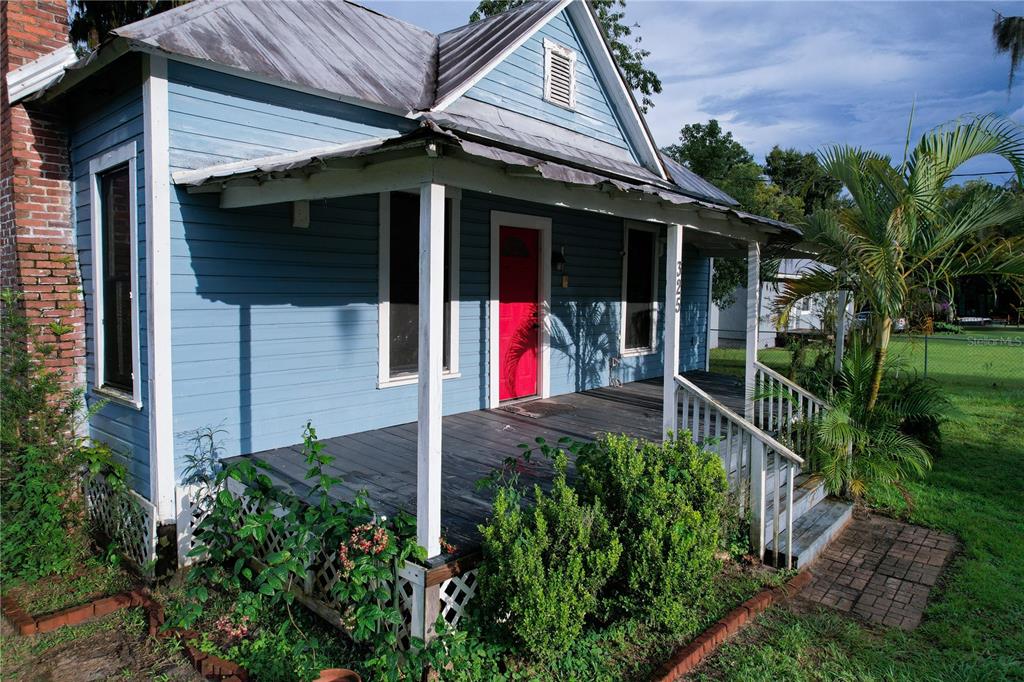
[(880, 570)]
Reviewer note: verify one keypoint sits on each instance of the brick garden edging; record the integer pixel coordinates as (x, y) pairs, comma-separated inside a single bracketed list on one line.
[(690, 656), (210, 667)]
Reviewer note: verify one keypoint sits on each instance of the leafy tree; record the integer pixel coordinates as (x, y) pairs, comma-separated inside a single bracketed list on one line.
[(1008, 35), (713, 153), (799, 174), (899, 236), (625, 47), (710, 152), (93, 20)]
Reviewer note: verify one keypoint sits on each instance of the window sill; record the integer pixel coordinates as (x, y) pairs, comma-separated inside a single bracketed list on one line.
[(412, 379), (119, 397), (637, 352)]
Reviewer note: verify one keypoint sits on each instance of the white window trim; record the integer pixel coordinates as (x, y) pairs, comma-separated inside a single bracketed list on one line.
[(551, 47), (655, 303), (126, 153), (384, 378), (501, 219)]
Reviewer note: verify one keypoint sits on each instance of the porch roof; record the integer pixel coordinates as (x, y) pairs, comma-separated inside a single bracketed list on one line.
[(474, 444), (529, 156)]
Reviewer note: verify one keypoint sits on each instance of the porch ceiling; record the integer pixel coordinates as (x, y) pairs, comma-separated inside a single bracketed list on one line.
[(467, 160), (474, 444)]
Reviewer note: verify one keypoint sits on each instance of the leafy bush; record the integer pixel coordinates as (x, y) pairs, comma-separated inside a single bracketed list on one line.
[(544, 565), (43, 458), (272, 644), (665, 502), (368, 550), (939, 326)]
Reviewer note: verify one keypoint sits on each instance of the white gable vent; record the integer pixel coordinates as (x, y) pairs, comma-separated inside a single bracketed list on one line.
[(559, 75)]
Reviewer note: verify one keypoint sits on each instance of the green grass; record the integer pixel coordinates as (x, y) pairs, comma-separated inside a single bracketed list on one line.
[(974, 626)]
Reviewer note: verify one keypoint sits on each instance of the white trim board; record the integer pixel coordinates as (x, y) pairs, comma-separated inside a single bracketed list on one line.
[(158, 287), (656, 231), (384, 378), (501, 219), (124, 154)]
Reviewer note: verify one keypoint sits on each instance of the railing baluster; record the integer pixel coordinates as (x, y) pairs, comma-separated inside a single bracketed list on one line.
[(789, 518), (686, 410), (776, 484)]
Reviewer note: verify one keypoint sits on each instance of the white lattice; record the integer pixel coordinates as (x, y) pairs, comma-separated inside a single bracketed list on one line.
[(126, 518), (192, 503), (455, 594), (325, 572)]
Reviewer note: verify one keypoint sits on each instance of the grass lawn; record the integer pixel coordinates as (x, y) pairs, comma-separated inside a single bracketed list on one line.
[(974, 625)]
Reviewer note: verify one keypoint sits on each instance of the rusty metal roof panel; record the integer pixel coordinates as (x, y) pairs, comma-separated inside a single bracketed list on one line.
[(466, 51), (336, 47)]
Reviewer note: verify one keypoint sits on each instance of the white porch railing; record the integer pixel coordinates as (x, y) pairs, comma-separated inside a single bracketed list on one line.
[(780, 405), (760, 469)]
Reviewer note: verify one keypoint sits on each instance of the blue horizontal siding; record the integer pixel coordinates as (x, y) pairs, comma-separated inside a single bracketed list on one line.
[(273, 325), (693, 314), (218, 118), (95, 132), (517, 84)]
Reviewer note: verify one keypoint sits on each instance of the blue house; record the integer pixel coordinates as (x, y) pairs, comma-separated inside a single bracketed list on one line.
[(433, 247)]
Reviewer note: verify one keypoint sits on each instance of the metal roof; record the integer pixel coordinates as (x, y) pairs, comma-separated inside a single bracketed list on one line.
[(336, 47), (567, 171), (465, 52), (355, 53), (691, 183)]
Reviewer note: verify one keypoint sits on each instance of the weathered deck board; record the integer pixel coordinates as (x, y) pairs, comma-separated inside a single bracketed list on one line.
[(383, 462)]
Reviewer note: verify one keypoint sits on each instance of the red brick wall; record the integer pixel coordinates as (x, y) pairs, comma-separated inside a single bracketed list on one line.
[(37, 242)]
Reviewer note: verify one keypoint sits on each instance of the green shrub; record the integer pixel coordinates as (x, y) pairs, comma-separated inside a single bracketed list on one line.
[(666, 503), (43, 458), (544, 565)]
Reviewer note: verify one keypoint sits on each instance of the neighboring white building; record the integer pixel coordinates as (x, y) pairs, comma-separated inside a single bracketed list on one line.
[(727, 326)]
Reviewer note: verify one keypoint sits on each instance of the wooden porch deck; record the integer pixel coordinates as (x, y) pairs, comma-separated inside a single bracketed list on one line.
[(474, 444)]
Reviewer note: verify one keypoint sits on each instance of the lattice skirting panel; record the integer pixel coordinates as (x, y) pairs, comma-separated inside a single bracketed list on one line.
[(126, 518), (415, 595)]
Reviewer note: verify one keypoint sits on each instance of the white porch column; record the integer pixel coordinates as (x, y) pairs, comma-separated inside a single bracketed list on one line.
[(431, 324), (840, 331), (753, 325), (673, 294)]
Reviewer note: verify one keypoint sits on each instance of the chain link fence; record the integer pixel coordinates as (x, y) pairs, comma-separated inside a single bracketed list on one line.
[(989, 359)]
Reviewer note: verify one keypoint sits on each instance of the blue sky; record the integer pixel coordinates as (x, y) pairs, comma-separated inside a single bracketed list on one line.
[(808, 74)]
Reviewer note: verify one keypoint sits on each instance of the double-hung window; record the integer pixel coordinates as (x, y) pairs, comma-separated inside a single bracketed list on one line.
[(114, 225), (639, 284), (399, 288)]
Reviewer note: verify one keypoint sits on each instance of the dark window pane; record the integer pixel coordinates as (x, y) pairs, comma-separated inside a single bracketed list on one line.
[(404, 284), (639, 289), (115, 213)]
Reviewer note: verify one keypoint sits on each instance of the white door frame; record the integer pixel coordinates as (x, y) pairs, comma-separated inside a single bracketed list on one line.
[(501, 219)]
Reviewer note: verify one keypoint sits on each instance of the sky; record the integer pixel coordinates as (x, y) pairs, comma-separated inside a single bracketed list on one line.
[(808, 74)]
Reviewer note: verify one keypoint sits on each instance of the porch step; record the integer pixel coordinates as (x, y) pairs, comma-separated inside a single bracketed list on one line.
[(808, 490), (812, 532)]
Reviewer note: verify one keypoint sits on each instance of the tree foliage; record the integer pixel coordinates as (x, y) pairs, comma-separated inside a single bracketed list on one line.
[(712, 152), (1008, 35), (625, 46), (799, 175), (93, 20)]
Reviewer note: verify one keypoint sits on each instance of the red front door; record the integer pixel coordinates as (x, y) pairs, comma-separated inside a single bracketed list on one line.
[(518, 329)]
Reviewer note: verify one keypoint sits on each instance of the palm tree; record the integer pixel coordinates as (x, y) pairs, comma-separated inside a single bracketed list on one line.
[(1008, 34), (899, 235), (855, 449)]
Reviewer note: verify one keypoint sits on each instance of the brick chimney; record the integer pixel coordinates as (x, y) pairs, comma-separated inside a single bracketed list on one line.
[(38, 253)]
